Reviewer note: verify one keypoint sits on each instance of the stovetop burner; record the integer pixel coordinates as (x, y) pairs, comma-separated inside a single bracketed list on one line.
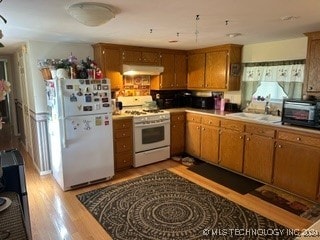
[(143, 112)]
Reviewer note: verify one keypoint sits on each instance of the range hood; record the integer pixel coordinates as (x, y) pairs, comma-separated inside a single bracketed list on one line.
[(141, 70)]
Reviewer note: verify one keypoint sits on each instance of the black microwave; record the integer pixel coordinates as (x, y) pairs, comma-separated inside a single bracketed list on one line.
[(301, 113)]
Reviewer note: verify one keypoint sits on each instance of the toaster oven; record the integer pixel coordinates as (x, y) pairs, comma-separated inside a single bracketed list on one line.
[(301, 112)]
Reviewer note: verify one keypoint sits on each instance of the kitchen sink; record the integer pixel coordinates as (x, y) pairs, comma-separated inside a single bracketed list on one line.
[(256, 117)]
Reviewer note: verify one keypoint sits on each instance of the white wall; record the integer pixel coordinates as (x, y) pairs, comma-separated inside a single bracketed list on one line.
[(48, 50), (291, 49)]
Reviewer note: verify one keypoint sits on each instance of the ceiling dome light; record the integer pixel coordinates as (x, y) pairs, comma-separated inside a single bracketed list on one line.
[(90, 13), (233, 35)]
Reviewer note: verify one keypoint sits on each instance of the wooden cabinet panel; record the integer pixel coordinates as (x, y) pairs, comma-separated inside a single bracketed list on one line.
[(193, 117), (139, 56), (123, 143), (261, 130), (296, 168), (210, 68), (216, 70), (210, 143), (211, 121), (258, 157), (167, 77), (232, 124), (231, 149), (180, 65), (312, 73), (299, 138), (196, 70), (109, 60), (177, 133), (193, 139)]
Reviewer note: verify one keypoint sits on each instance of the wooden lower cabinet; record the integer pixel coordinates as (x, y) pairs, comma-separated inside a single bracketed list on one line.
[(232, 145), (258, 152), (296, 168), (123, 143), (193, 138), (202, 137), (210, 139), (177, 128)]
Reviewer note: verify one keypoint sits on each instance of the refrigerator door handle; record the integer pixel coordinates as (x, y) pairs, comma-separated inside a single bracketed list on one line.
[(61, 113), (63, 134)]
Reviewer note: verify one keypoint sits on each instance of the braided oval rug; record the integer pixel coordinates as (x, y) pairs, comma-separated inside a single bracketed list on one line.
[(163, 205)]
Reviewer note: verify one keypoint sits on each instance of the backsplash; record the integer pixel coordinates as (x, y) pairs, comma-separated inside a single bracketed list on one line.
[(136, 85)]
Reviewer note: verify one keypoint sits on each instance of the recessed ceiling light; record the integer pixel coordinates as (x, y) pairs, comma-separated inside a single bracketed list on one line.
[(173, 41), (289, 18), (232, 35)]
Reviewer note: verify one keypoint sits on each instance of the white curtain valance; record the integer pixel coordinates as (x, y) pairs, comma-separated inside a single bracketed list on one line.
[(279, 73)]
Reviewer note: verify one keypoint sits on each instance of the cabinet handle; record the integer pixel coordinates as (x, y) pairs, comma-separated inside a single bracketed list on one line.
[(210, 122), (298, 139), (123, 134), (203, 129), (178, 118), (124, 146), (173, 126), (241, 137), (248, 139), (123, 125), (279, 146)]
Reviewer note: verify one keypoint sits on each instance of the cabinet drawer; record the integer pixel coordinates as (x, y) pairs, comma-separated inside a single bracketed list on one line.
[(234, 125), (121, 124), (123, 133), (192, 117), (294, 137), (123, 160), (212, 121), (260, 130), (177, 117), (123, 144)]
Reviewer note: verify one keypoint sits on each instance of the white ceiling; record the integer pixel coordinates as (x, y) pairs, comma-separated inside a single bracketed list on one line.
[(256, 20)]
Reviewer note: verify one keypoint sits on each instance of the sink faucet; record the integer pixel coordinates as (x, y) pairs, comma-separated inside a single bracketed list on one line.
[(267, 108)]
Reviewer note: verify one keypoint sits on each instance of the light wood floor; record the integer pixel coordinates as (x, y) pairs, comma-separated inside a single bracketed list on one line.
[(59, 215)]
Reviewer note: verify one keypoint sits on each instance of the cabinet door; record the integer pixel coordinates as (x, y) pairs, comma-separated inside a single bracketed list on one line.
[(296, 168), (113, 69), (313, 83), (167, 77), (180, 67), (193, 139), (231, 149), (258, 157), (177, 136), (131, 56), (210, 143), (216, 70), (152, 58), (196, 66)]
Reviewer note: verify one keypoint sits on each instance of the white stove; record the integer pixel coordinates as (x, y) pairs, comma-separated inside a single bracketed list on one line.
[(151, 129)]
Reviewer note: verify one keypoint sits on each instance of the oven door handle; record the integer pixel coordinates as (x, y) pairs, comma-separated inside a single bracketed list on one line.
[(161, 123)]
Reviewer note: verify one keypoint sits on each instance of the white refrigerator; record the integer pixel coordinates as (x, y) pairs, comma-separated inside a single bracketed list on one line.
[(80, 131)]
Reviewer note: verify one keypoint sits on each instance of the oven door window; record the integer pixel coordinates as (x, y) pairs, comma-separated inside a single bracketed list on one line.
[(153, 135)]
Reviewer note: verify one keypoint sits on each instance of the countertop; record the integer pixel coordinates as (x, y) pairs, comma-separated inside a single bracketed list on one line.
[(222, 114)]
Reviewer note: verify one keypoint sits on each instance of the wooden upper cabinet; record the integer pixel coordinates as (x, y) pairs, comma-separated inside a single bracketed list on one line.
[(180, 65), (109, 60), (215, 68), (140, 56), (312, 74), (196, 70), (167, 77), (174, 75)]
